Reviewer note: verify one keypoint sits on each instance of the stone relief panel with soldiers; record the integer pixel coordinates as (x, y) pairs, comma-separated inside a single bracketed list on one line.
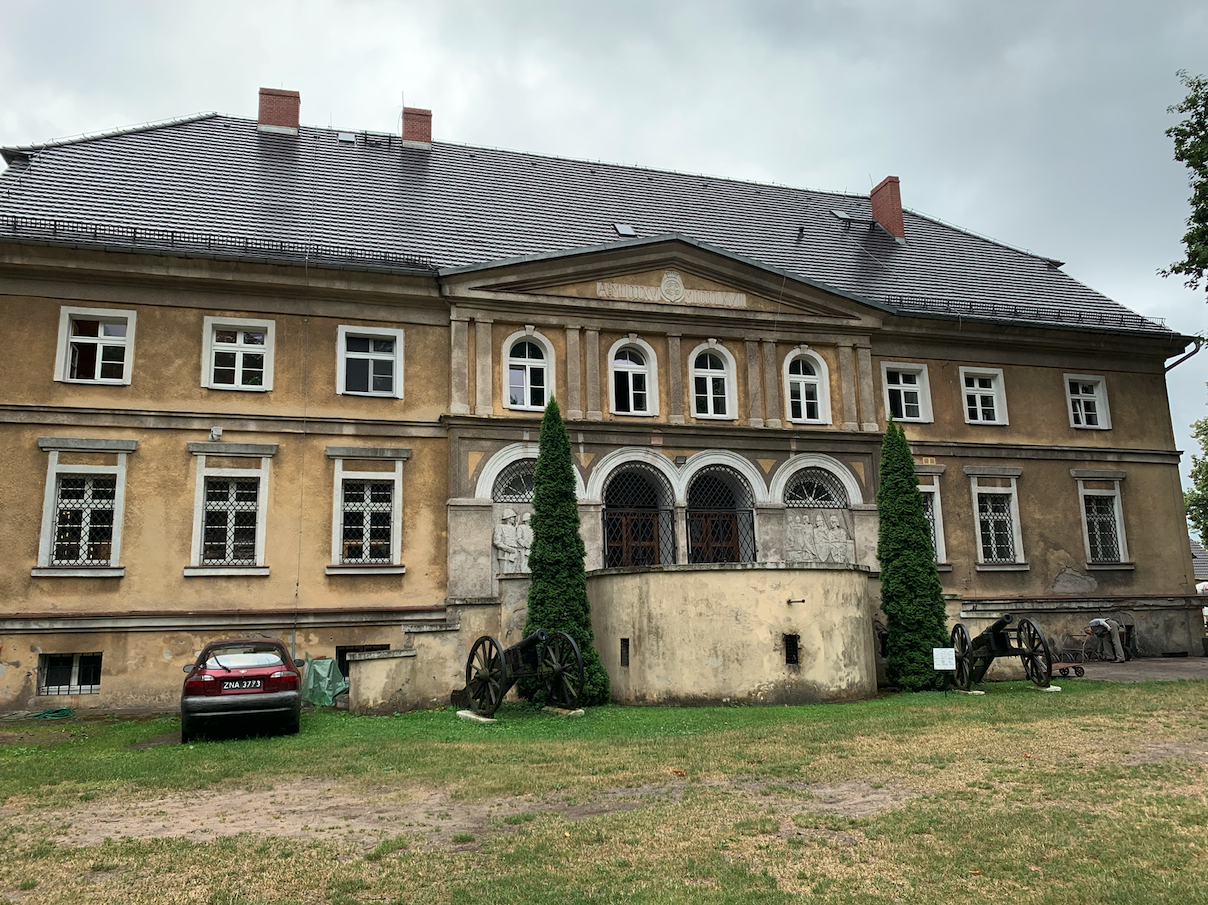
[(818, 519), (512, 537)]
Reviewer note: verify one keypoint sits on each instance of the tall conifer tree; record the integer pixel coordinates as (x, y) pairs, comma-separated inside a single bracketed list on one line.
[(557, 600), (910, 586)]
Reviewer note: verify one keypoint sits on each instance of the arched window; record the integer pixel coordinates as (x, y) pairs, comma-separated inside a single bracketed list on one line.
[(526, 376), (721, 518), (515, 482), (711, 381), (815, 488), (630, 384), (807, 389), (639, 521)]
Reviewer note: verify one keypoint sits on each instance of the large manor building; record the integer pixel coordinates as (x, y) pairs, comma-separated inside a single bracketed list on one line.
[(265, 377)]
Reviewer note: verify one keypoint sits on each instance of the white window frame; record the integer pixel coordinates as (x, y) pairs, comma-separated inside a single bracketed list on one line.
[(997, 473), (203, 453), (650, 370), (1100, 384), (371, 333), (528, 334), (1082, 476), (73, 687), (213, 324), (729, 375), (63, 352), (933, 473), (821, 378), (1000, 396), (55, 469), (923, 386), (341, 455)]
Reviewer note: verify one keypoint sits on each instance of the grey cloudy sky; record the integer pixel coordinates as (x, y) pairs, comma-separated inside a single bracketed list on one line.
[(1039, 124)]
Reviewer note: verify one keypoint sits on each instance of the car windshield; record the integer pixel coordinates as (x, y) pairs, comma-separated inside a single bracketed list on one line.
[(243, 657)]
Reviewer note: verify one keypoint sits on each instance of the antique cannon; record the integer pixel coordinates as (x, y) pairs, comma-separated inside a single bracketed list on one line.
[(552, 657), (1025, 640)]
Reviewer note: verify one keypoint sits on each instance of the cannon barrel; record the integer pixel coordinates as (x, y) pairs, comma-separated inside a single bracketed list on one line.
[(528, 643), (1002, 623)]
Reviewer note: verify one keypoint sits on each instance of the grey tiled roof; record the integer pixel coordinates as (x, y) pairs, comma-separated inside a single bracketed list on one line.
[(1199, 561), (217, 183)]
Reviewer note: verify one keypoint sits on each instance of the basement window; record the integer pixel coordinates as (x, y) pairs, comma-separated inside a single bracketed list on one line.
[(624, 651), (342, 652), (792, 650), (60, 674)]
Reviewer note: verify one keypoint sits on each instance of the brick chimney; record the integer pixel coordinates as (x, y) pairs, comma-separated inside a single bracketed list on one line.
[(417, 127), (279, 111), (887, 207)]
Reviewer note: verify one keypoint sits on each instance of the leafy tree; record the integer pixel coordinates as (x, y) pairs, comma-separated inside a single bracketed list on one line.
[(1191, 149), (910, 586), (557, 600), (1196, 499)]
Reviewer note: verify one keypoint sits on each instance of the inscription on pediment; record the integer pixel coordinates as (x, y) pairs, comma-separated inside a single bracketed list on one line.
[(671, 290)]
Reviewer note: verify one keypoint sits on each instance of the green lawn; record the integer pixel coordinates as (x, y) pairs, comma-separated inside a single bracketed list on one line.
[(1093, 795)]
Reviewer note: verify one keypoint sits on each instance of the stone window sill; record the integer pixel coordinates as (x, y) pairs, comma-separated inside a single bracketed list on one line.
[(1110, 566), (369, 569), (1002, 567), (943, 567), (78, 572), (225, 571)]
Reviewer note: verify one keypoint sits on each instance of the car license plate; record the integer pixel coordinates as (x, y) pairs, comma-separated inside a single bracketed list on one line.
[(240, 684)]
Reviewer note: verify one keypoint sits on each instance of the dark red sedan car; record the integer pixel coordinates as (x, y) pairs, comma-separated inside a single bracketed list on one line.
[(249, 679)]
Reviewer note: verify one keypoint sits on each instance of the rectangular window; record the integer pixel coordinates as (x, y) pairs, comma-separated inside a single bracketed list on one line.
[(1087, 397), (929, 489), (1102, 517), (803, 401), (231, 513), (370, 362), (83, 533), (229, 508), (367, 528), (907, 392), (985, 401), (996, 508), (82, 508), (60, 674), (238, 354), (367, 509), (624, 651), (342, 652), (96, 345), (792, 650)]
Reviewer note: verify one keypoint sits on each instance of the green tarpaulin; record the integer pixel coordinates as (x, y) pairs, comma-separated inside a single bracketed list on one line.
[(322, 682)]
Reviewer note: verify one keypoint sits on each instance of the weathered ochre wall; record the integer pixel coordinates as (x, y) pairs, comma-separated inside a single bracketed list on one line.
[(708, 634)]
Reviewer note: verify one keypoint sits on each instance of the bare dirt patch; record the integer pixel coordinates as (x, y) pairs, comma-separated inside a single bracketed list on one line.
[(1156, 752), (430, 817)]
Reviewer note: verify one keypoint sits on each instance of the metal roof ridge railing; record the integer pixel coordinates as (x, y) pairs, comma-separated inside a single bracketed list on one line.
[(1000, 311), (136, 237)]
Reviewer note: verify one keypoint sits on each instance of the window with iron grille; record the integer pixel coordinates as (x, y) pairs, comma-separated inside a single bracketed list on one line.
[(527, 382), (95, 345), (815, 488), (624, 651), (239, 354), (515, 482), (1087, 397), (639, 519), (720, 516), (63, 674), (985, 402), (996, 525), (931, 513), (368, 508), (230, 525), (370, 362), (84, 511), (1102, 535)]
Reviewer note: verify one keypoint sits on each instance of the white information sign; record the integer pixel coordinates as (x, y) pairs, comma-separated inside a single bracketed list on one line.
[(944, 657)]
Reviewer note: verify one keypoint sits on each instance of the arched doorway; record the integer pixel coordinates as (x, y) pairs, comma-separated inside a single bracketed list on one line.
[(639, 519), (721, 518)]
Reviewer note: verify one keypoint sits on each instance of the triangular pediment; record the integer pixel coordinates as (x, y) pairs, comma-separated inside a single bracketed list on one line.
[(671, 274)]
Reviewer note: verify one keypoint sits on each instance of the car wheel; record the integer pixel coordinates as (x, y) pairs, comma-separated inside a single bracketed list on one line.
[(187, 732), (293, 725)]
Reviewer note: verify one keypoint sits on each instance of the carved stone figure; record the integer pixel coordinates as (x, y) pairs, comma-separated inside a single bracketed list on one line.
[(842, 549), (524, 540), (506, 540), (822, 540)]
